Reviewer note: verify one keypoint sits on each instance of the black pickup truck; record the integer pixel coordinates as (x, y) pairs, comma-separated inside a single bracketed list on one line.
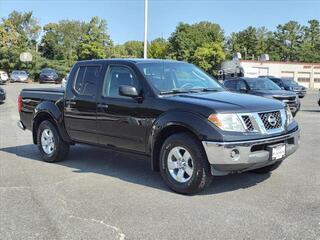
[(184, 120)]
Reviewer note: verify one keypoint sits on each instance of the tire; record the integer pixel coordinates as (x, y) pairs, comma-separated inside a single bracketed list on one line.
[(50, 144), (200, 177), (267, 169)]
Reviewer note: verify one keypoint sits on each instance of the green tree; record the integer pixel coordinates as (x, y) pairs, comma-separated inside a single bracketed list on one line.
[(96, 42), (208, 56), (119, 51), (287, 41), (158, 48), (245, 42), (27, 27), (310, 47), (185, 40), (61, 40), (18, 33), (134, 49)]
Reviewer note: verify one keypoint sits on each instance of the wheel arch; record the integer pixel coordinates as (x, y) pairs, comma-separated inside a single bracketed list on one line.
[(49, 111), (171, 123)]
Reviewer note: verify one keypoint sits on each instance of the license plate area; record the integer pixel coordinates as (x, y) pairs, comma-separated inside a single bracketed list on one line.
[(277, 151)]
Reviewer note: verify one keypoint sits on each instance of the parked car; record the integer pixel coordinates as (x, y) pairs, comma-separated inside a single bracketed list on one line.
[(319, 97), (2, 95), (48, 75), (19, 76), (64, 81), (264, 87), (3, 77), (184, 120), (289, 85)]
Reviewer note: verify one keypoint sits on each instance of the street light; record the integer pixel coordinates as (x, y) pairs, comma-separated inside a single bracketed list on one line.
[(145, 50)]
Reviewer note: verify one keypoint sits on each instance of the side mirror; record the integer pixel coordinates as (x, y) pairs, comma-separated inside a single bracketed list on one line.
[(128, 91), (243, 89), (282, 88)]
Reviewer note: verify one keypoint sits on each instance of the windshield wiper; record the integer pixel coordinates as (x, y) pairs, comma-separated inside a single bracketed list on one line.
[(192, 90), (210, 89), (173, 91)]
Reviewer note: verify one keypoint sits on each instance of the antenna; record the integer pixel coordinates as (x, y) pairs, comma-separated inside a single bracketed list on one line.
[(145, 50)]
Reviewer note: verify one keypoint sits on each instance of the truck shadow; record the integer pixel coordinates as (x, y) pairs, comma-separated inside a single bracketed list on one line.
[(130, 168)]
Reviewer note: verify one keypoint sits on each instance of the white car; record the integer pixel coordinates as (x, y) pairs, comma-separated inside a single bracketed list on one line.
[(3, 77)]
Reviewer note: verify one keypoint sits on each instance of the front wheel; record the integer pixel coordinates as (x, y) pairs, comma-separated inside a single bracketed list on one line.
[(184, 165), (51, 145)]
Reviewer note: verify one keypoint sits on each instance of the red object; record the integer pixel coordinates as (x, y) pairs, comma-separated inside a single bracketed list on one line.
[(19, 103)]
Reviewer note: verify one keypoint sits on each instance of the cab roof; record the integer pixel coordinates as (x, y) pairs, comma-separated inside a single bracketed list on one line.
[(131, 60)]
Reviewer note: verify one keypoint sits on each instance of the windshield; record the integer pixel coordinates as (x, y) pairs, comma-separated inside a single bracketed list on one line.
[(290, 82), (177, 76), (262, 84)]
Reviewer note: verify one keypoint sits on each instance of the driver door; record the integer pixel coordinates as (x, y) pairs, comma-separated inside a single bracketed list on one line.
[(120, 119)]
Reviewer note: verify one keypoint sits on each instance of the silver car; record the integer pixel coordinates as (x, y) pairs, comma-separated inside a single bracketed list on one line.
[(19, 76)]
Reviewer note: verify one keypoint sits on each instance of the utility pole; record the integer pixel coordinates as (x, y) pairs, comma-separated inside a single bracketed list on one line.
[(145, 50)]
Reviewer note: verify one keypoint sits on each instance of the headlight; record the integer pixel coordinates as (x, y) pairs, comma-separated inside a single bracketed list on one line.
[(289, 115), (227, 122)]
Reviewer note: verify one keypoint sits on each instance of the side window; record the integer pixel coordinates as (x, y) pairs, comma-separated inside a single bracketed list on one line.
[(279, 83), (117, 76), (87, 80), (231, 85), (241, 85)]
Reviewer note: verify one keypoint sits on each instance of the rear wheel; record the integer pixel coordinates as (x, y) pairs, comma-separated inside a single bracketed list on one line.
[(51, 146), (267, 169), (184, 165)]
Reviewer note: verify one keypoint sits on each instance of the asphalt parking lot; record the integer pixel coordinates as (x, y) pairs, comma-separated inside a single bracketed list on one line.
[(100, 194)]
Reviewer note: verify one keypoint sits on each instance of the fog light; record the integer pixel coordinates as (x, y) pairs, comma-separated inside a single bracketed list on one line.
[(235, 154)]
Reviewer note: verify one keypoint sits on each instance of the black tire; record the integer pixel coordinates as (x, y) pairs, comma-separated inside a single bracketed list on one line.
[(201, 176), (267, 169), (61, 148)]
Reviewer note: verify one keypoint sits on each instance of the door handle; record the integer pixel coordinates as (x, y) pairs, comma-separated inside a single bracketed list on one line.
[(70, 102), (100, 105)]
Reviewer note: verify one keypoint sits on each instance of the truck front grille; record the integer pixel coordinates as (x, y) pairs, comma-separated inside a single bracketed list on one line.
[(264, 122), (247, 121), (271, 120), (288, 100)]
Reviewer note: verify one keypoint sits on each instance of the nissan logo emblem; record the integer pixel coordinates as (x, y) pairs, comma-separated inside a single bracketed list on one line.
[(272, 120)]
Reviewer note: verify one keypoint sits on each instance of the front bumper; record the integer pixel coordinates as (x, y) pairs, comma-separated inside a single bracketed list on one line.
[(301, 93), (228, 157)]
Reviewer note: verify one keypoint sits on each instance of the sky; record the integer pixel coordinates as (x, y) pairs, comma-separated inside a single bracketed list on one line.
[(125, 18)]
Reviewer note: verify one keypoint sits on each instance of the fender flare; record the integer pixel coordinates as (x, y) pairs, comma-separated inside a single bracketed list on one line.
[(51, 109), (182, 121)]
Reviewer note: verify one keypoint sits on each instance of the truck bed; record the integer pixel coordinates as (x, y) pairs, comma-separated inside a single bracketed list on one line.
[(31, 97), (51, 94)]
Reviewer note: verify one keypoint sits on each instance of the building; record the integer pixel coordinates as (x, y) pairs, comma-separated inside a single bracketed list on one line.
[(306, 74)]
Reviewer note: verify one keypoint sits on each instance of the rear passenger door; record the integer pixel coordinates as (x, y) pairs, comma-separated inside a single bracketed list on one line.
[(81, 103)]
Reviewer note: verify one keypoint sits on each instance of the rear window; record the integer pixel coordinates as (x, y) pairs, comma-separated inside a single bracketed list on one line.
[(19, 72), (86, 80), (48, 71)]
